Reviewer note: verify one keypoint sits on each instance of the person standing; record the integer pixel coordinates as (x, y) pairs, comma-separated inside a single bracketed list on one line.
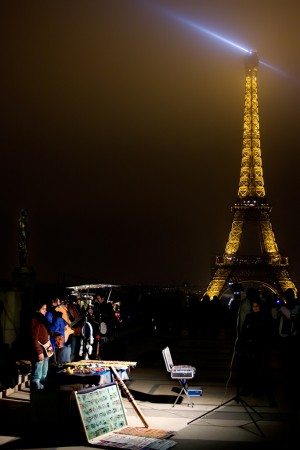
[(246, 304), (288, 317), (74, 315), (40, 348), (72, 343), (57, 326), (255, 352), (105, 320)]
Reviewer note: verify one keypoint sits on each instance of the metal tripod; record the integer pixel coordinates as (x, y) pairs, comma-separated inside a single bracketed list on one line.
[(237, 398), (248, 408)]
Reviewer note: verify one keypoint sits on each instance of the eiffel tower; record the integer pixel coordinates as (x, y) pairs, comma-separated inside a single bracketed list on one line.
[(266, 267)]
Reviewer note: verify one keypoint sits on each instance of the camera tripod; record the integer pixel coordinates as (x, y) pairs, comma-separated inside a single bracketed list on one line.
[(238, 399)]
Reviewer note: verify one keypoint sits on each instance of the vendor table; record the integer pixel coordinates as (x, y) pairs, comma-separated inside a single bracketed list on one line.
[(94, 372)]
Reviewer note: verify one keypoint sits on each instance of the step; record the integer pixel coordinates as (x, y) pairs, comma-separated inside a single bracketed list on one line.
[(23, 382)]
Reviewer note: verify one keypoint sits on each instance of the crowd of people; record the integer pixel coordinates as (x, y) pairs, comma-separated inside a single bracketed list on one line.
[(74, 329), (265, 324), (65, 331)]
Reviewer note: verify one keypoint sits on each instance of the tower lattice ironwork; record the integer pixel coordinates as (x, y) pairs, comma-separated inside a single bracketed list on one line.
[(268, 267)]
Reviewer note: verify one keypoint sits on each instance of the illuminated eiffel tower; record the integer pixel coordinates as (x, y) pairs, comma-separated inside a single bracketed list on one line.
[(266, 267)]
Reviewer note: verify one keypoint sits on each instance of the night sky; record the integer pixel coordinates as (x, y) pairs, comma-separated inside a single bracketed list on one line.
[(121, 133)]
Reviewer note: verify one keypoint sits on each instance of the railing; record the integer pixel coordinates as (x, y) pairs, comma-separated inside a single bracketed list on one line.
[(252, 260)]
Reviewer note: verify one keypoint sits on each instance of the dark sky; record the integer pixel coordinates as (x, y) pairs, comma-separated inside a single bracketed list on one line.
[(121, 133)]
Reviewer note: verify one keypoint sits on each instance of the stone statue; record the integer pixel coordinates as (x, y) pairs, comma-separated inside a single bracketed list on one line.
[(23, 237)]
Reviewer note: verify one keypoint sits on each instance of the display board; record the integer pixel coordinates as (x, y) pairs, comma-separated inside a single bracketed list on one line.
[(105, 422), (101, 409)]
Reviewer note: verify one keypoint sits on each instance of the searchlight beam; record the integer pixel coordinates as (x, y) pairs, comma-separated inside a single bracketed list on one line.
[(204, 30)]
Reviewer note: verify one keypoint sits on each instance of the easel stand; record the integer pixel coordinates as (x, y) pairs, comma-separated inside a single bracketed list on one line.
[(249, 410)]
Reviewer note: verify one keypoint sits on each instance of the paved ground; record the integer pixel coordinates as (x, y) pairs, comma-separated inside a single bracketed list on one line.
[(250, 423)]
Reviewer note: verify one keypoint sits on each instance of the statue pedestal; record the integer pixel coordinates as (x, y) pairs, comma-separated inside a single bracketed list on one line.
[(10, 321), (23, 277), (17, 302)]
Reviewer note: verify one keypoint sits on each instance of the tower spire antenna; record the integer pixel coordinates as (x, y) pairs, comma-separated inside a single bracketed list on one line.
[(268, 267), (251, 60)]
